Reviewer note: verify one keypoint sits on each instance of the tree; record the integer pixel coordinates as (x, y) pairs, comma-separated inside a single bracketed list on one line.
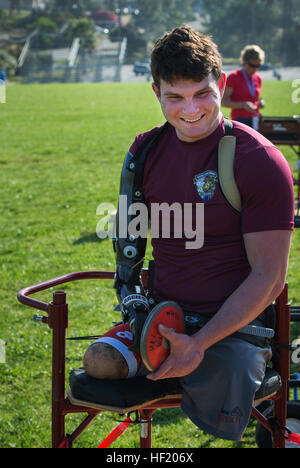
[(14, 5), (290, 29), (84, 29), (72, 7), (8, 63), (3, 18), (157, 16), (272, 24)]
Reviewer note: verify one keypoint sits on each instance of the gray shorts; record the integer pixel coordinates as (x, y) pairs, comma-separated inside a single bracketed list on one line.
[(218, 395)]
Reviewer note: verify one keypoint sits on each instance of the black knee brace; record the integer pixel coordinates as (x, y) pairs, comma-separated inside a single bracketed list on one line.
[(130, 249)]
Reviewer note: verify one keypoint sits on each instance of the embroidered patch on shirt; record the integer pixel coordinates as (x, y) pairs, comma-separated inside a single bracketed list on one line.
[(206, 184)]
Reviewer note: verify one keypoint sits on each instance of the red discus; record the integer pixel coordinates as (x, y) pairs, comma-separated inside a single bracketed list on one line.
[(154, 347)]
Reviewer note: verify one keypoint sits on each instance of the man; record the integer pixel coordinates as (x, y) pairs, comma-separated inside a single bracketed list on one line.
[(241, 266)]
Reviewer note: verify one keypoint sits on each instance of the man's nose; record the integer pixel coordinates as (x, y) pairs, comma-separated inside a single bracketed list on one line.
[(191, 107)]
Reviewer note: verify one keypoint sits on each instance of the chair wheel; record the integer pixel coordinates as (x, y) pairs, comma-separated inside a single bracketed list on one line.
[(263, 436), (297, 221)]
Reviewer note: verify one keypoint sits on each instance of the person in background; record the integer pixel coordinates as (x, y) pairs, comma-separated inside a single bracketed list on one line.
[(243, 88)]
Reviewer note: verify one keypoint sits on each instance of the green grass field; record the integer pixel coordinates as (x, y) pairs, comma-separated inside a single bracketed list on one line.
[(62, 148)]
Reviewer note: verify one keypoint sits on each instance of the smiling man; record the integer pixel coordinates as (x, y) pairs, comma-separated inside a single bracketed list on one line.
[(234, 276)]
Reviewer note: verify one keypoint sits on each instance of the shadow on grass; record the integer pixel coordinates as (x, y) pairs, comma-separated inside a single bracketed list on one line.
[(88, 238), (166, 415)]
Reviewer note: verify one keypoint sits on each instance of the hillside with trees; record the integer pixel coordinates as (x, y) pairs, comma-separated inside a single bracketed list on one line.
[(273, 24)]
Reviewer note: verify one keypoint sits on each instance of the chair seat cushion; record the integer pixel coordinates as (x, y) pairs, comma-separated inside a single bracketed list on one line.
[(136, 391), (124, 394)]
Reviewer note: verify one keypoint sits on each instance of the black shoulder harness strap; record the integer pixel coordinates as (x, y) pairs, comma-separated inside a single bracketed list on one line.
[(139, 158), (226, 153)]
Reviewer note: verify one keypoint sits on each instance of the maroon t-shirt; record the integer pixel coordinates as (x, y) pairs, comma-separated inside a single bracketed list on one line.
[(201, 279)]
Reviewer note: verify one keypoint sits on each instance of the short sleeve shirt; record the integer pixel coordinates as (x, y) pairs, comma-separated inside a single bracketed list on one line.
[(241, 92), (201, 279)]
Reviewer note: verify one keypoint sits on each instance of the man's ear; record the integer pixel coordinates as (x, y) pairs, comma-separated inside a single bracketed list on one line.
[(156, 91), (222, 84)]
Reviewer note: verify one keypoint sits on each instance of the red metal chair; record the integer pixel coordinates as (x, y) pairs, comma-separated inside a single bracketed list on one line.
[(162, 395)]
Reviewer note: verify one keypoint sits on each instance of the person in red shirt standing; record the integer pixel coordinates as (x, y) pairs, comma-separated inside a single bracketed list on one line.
[(243, 88)]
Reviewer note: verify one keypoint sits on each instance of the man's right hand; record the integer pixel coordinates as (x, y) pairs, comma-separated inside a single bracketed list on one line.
[(185, 355)]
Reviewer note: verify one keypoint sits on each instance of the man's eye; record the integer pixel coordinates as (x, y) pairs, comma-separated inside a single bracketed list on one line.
[(205, 93)]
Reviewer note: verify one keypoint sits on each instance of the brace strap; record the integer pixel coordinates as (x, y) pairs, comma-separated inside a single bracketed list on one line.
[(288, 435)]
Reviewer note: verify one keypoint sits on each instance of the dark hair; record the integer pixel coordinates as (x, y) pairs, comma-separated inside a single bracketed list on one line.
[(184, 53)]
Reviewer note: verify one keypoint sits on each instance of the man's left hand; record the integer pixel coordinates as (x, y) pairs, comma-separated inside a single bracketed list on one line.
[(185, 355)]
